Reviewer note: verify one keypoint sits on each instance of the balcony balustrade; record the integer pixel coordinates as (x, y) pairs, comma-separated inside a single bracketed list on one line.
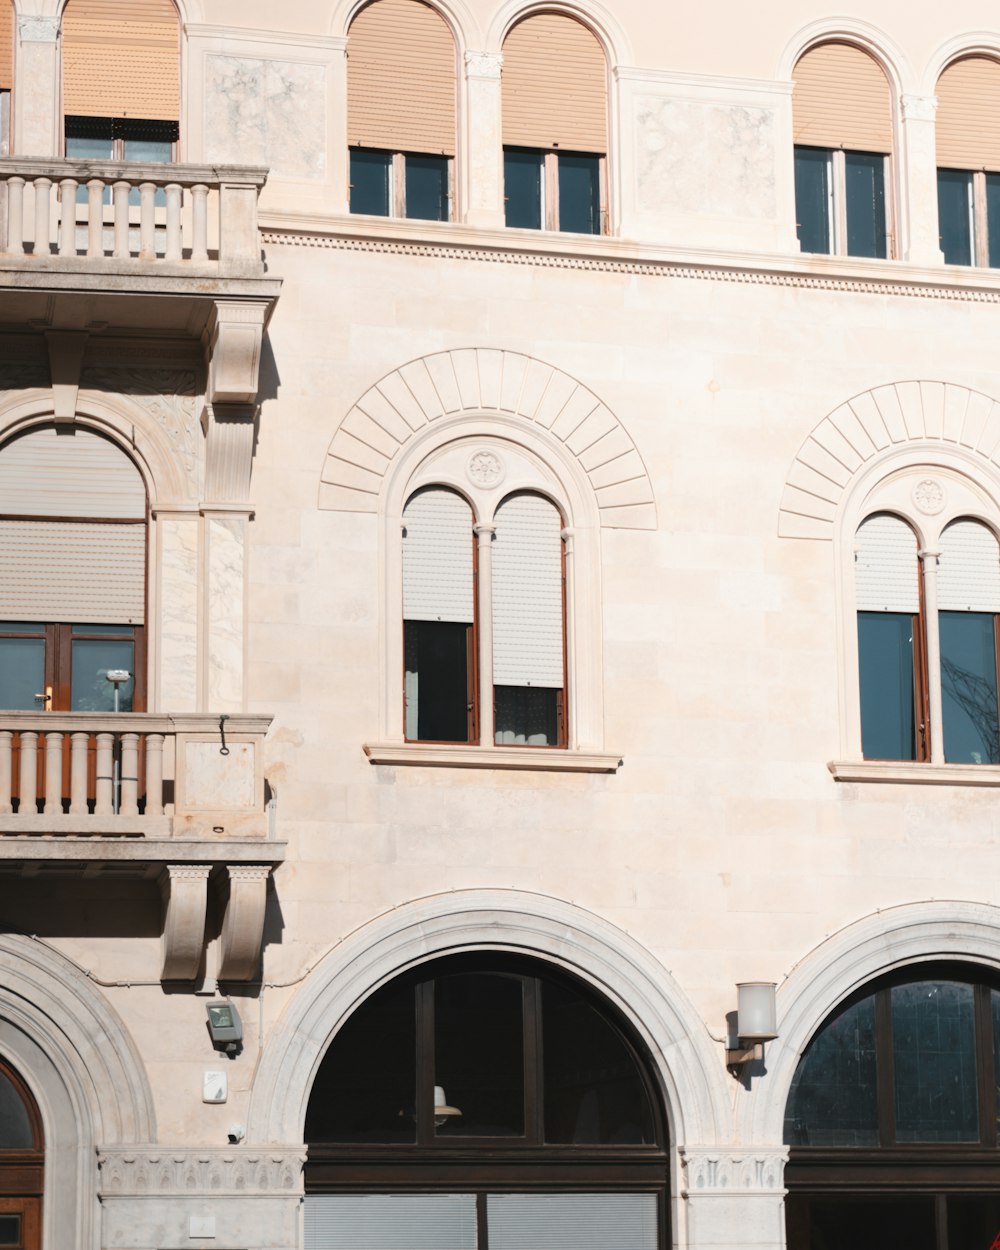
[(199, 217)]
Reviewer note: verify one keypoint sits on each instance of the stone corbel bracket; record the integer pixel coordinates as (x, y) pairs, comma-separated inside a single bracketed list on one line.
[(66, 348), (185, 894), (233, 338)]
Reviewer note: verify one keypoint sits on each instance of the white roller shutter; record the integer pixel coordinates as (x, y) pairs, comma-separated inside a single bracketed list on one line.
[(969, 569), (527, 594), (390, 1222), (572, 1221), (437, 557), (886, 566), (68, 571), (72, 474)]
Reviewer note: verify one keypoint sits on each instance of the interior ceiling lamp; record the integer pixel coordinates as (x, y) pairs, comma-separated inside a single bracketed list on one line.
[(756, 1023), (442, 1111)]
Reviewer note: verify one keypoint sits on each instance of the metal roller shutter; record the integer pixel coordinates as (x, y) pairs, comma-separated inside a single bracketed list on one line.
[(390, 1222), (969, 569), (886, 569), (572, 1221), (75, 474), (121, 58), (968, 115), (437, 557), (401, 79), (6, 45), (554, 84), (527, 594), (841, 100)]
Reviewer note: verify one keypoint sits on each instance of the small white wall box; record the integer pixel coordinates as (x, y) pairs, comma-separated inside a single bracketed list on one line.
[(214, 1087), (225, 1025)]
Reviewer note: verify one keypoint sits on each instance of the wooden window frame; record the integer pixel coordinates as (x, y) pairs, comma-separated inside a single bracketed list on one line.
[(22, 1172), (979, 222), (837, 221), (397, 183), (550, 186)]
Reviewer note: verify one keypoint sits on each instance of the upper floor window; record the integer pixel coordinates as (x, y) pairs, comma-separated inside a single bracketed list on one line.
[(483, 621), (892, 1118), (842, 119), (6, 73), (401, 111), (554, 84), (121, 80), (22, 1160), (968, 157), (927, 641)]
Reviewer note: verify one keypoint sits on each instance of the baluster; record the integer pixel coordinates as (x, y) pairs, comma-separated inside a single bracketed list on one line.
[(15, 215), (199, 224), (129, 805), (78, 774), (120, 192), (42, 188), (67, 216), (154, 774), (173, 250), (95, 217), (29, 774), (147, 221), (52, 799), (6, 751), (105, 745)]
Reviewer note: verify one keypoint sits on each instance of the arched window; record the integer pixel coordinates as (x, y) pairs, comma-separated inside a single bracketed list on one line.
[(6, 73), (968, 157), (842, 120), (484, 620), (22, 1162), (72, 573), (485, 1099), (555, 126), (121, 80), (892, 1118), (401, 111), (928, 640)]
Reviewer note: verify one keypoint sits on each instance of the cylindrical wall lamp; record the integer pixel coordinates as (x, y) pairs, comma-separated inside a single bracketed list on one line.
[(756, 1023)]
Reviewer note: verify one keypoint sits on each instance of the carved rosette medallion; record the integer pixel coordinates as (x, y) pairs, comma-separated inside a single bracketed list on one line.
[(928, 496), (485, 468)]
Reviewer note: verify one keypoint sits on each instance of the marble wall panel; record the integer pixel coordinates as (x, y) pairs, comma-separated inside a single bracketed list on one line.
[(226, 539), (178, 608)]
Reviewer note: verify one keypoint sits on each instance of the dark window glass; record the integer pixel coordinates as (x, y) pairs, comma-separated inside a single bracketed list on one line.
[(885, 666), (973, 1222), (522, 181), (853, 1223), (995, 1013), (10, 1230), (368, 1092), (955, 215), (934, 1061), (579, 194), (22, 674), (993, 220), (15, 1127), (864, 175), (526, 716), (427, 187), (92, 658), (479, 1054), (812, 198), (593, 1090), (370, 181), (969, 687), (834, 1099), (437, 677)]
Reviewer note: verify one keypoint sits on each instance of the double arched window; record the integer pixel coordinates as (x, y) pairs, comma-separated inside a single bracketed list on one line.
[(892, 1118), (484, 619), (22, 1161), (485, 1099)]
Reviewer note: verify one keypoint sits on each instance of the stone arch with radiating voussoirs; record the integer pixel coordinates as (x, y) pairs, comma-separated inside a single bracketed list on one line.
[(686, 1063), (480, 382), (85, 1073), (937, 416)]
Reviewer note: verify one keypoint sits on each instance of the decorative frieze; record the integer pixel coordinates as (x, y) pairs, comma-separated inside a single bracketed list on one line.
[(718, 1170), (240, 1171)]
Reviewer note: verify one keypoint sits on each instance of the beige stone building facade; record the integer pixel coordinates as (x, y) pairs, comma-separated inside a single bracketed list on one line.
[(499, 519)]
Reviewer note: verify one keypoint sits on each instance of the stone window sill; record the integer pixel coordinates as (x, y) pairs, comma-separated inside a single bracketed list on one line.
[(904, 772), (539, 759)]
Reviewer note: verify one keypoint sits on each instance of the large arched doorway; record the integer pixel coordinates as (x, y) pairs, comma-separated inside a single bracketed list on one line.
[(22, 1159), (892, 1118), (484, 1102)]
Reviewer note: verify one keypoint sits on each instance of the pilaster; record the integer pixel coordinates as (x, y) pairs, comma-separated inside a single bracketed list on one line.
[(734, 1197), (484, 199), (919, 242), (36, 129)]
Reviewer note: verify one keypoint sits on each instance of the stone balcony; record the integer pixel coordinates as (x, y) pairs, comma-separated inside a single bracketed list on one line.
[(178, 798)]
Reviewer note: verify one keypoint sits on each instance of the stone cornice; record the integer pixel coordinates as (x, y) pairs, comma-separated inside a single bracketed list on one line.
[(240, 1170), (892, 278), (729, 1169)]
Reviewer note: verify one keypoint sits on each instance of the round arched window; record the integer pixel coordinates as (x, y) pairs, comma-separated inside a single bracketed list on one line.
[(21, 1164), (485, 1101), (892, 1119)]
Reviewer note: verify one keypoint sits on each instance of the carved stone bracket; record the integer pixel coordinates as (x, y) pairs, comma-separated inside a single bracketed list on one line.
[(243, 925), (233, 339), (66, 349), (229, 440), (33, 29), (150, 1170), (185, 894), (728, 1170), (483, 64)]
